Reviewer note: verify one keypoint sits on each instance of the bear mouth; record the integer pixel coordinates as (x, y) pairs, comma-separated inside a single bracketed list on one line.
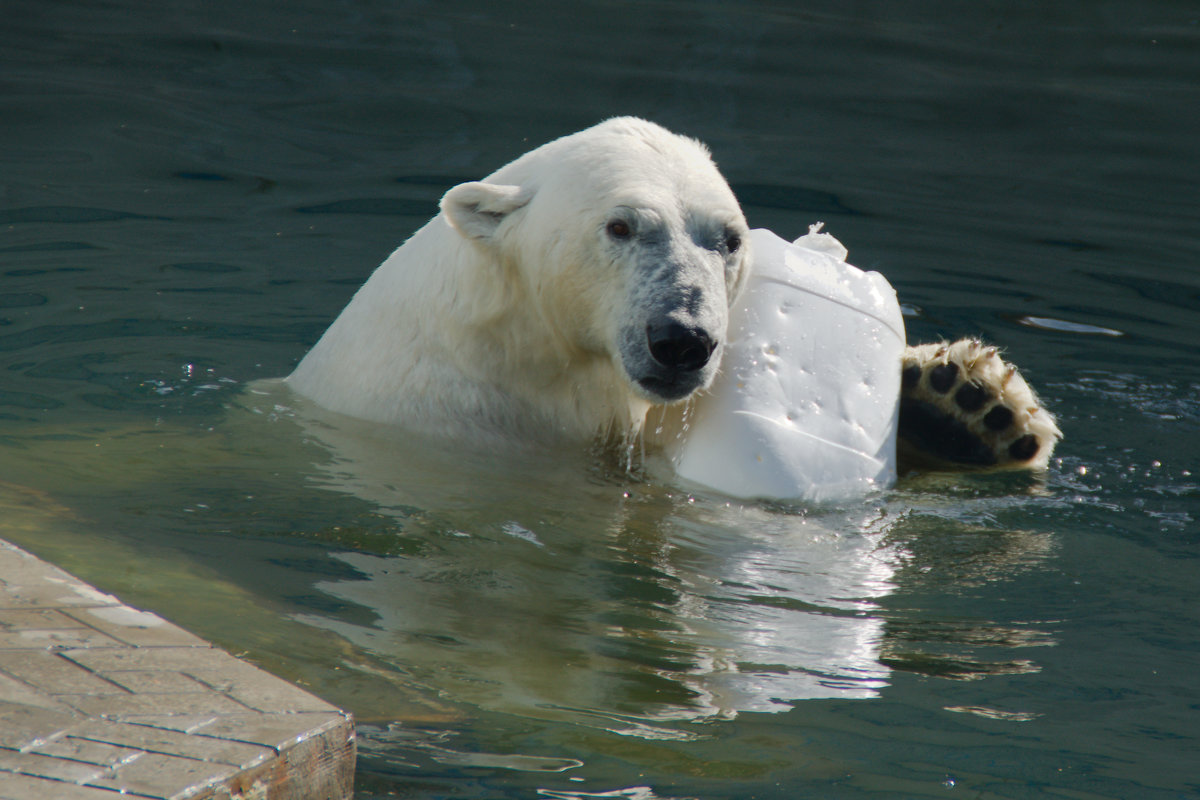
[(673, 388)]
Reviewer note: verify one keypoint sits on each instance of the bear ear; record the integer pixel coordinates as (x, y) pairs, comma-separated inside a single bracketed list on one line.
[(476, 209)]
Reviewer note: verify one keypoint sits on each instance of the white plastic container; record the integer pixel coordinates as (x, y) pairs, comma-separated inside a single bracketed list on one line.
[(806, 404)]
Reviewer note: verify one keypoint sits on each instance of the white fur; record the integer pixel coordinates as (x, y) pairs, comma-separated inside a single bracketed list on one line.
[(518, 311)]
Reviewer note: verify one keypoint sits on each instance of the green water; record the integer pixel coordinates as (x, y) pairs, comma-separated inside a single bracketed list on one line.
[(190, 193)]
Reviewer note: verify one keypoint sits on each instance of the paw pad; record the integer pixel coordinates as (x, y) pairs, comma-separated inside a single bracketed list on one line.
[(962, 405), (1024, 448), (999, 418), (971, 397), (942, 377)]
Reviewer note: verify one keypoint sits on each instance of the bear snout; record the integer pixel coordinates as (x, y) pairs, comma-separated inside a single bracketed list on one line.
[(679, 347)]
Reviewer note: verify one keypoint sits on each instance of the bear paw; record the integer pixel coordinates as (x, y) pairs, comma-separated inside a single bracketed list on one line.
[(962, 406)]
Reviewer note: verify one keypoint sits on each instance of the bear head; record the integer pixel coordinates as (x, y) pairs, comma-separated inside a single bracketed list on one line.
[(626, 240)]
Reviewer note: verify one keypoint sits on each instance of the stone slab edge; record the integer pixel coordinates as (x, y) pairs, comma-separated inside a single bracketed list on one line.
[(98, 699)]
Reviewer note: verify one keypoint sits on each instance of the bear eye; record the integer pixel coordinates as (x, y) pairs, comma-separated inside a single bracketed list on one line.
[(733, 243), (619, 229)]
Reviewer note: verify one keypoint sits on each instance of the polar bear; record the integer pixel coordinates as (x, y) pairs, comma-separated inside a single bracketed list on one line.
[(591, 279), (559, 298)]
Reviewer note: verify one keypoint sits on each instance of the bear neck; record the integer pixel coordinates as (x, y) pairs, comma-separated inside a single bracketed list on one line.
[(552, 384)]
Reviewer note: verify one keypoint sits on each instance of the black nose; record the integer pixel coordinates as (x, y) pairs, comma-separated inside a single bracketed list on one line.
[(678, 346)]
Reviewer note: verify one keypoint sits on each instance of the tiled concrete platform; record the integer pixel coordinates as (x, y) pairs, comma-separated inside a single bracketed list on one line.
[(98, 699)]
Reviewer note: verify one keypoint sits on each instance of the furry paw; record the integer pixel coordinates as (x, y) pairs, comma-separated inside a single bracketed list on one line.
[(962, 406)]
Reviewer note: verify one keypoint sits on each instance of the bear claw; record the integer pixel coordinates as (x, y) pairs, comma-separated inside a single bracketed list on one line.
[(961, 406)]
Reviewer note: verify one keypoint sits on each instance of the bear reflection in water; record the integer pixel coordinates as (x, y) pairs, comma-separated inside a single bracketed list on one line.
[(563, 586)]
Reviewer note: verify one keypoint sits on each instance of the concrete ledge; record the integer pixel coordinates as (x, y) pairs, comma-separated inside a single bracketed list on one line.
[(98, 699)]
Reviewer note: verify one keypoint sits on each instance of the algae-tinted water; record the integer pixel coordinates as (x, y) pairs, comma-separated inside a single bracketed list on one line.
[(190, 194)]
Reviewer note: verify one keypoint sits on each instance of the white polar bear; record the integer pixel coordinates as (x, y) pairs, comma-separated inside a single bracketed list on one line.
[(559, 298), (589, 280)]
